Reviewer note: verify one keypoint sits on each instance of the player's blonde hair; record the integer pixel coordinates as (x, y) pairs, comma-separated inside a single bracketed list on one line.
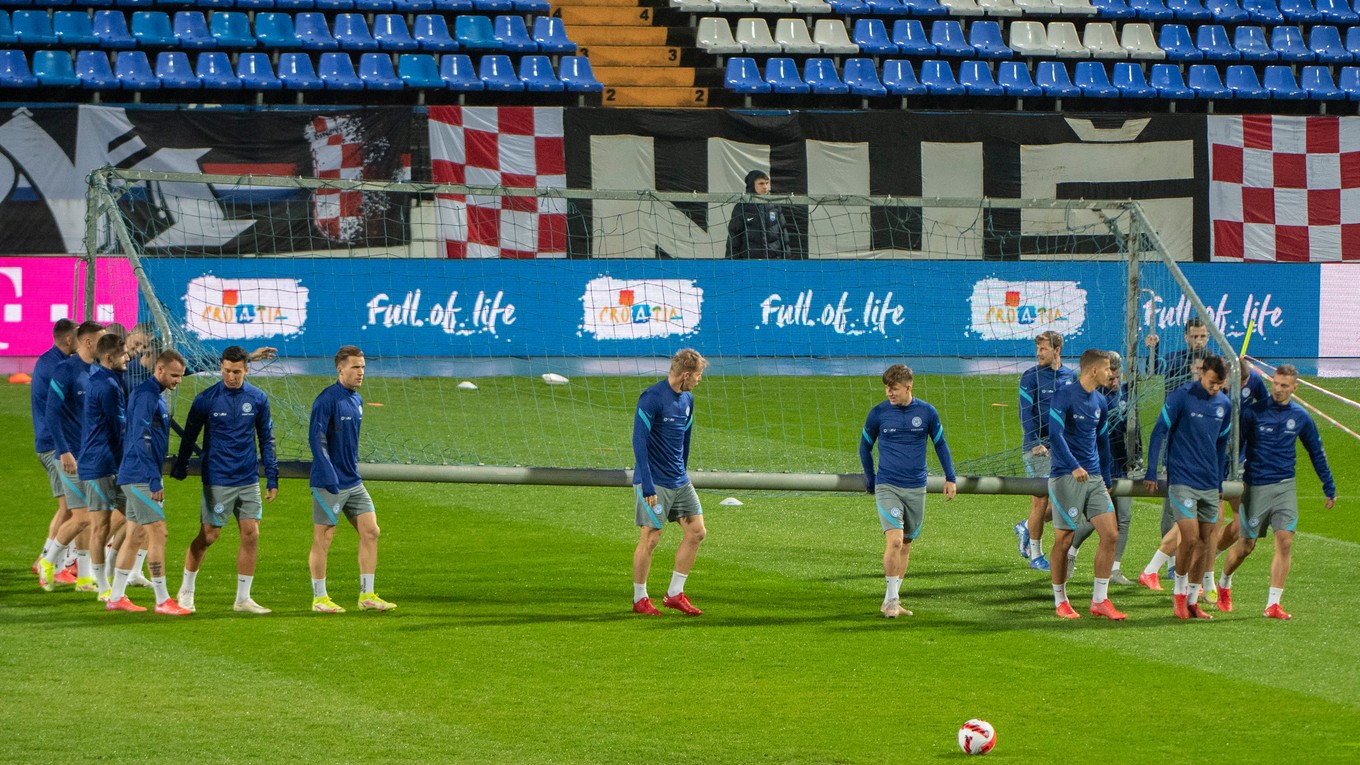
[(687, 360)]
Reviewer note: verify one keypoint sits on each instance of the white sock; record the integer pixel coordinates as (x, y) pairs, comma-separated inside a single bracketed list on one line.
[(47, 547), (1192, 597), (319, 587), (1225, 581), (1101, 592), (83, 564), (97, 570), (141, 558), (120, 580), (639, 591), (1172, 562), (677, 584), (1181, 587), (1274, 598), (1208, 582), (1115, 567), (1059, 594), (1072, 552), (1036, 549), (1155, 565), (162, 591), (366, 583), (69, 554), (189, 581), (894, 590), (243, 587)]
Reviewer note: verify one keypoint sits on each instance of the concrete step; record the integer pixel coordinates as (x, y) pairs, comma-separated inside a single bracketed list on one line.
[(602, 16), (650, 76), (657, 96), (631, 55), (594, 4), (588, 35)]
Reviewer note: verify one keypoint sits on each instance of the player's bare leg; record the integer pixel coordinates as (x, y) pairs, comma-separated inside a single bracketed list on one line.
[(193, 561), (367, 526), (1040, 511), (648, 538), (895, 556), (61, 516), (246, 557), (99, 534), (693, 527), (1279, 571), (1107, 526), (1186, 552), (1166, 552), (322, 536), (1062, 542), (123, 564)]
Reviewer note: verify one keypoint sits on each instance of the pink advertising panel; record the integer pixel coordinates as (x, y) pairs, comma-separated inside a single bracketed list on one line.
[(35, 292)]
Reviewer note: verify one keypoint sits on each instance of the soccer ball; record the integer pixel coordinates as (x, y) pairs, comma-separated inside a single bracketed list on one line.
[(977, 737)]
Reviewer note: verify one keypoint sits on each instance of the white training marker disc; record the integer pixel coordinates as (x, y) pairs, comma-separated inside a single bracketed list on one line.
[(731, 502), (552, 378), (467, 385)]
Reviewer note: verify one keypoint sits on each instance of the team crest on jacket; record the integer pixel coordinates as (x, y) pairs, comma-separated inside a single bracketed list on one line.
[(916, 422), (1289, 424), (247, 407), (1218, 412)]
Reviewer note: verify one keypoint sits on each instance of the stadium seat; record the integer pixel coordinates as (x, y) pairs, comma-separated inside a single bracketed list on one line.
[(910, 38), (32, 28), (499, 74), (1038, 7), (53, 69), (454, 6), (514, 37), (1094, 81), (458, 73), (191, 30), (1029, 38), (231, 29), (133, 70), (1206, 83), (861, 77), (1075, 7), (948, 38), (351, 31), (715, 36), (820, 75), (1302, 12), (1138, 41), (111, 29), (1279, 83), (781, 74), (1113, 9), (1326, 45), (536, 73), (848, 7), (1053, 78), (73, 29), (255, 72), (419, 71), (1212, 40), (986, 39), (294, 5), (1287, 42), (938, 77), (534, 7), (174, 71), (1317, 80), (1167, 79), (413, 6), (313, 34), (1100, 39), (336, 70), (14, 72), (493, 6), (432, 32), (369, 6), (295, 72), (959, 8), (6, 30), (793, 36), (275, 29), (831, 36), (1242, 81), (475, 33), (1062, 35), (1152, 10), (1348, 80), (1227, 11), (1176, 44), (872, 38), (925, 8), (1251, 45), (1189, 10), (754, 36), (334, 5), (809, 6), (390, 31), (743, 76), (887, 7), (214, 71), (1000, 8), (976, 78), (151, 29), (1015, 79), (577, 76), (94, 71), (1337, 12), (1353, 42), (1129, 79), (376, 73), (254, 5), (551, 35), (900, 79), (1263, 11)]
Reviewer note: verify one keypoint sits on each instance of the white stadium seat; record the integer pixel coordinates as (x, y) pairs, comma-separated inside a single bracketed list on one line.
[(716, 37), (1062, 35), (1100, 39), (831, 35), (794, 36), (1138, 40), (754, 36), (1029, 38)]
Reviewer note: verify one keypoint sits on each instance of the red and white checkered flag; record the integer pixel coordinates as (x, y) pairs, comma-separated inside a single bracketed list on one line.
[(511, 146)]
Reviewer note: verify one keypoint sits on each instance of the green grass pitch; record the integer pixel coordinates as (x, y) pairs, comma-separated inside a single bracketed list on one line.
[(514, 643)]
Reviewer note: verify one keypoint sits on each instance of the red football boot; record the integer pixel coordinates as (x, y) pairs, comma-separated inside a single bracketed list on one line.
[(1224, 599), (1106, 609), (645, 606), (1150, 581), (681, 603), (1199, 613), (1179, 608), (1065, 611), (66, 575), (1275, 612)]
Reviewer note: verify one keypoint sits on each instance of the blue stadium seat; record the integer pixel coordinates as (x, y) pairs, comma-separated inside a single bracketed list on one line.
[(214, 71), (1302, 12), (125, 3), (111, 29), (1212, 40), (938, 77), (949, 40), (1129, 79), (1242, 81), (294, 5), (454, 6), (255, 5), (781, 74), (1353, 42), (53, 69), (536, 7), (887, 8), (986, 39), (1189, 10), (209, 5), (390, 31), (174, 71), (94, 71), (872, 38), (1206, 83), (910, 38), (1263, 11), (577, 76), (334, 5), (151, 29), (977, 79), (1287, 42), (255, 72), (458, 73), (848, 7), (536, 73), (861, 77), (231, 29), (1094, 81), (33, 28), (475, 33), (513, 36), (493, 6), (419, 71), (6, 30), (1167, 79), (336, 70), (551, 35), (313, 34), (133, 70), (1053, 78), (1227, 11), (1326, 45), (743, 76), (900, 79), (1348, 80), (296, 72), (1014, 76), (1279, 82), (191, 30), (73, 29), (1251, 45), (274, 29), (432, 32), (1175, 40), (373, 6), (414, 6), (1337, 12), (351, 31), (1114, 9), (925, 8), (498, 73), (14, 71), (1153, 10), (376, 73), (820, 75), (1317, 80)]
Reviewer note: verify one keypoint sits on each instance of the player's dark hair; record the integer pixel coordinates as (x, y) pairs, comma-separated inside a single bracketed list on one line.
[(1216, 365), (1092, 356), (1116, 361), (235, 353), (108, 344), (1053, 339), (88, 328), (1193, 321), (1288, 370), (170, 357), (114, 328), (896, 375), (347, 352), (62, 328)]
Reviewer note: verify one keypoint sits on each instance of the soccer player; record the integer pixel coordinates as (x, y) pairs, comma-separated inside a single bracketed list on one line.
[(1195, 425), (139, 476), (1078, 484), (101, 450), (234, 416), (337, 488), (901, 426), (65, 411), (662, 427), (1037, 386), (63, 345), (1116, 425), (1269, 435), (1176, 367)]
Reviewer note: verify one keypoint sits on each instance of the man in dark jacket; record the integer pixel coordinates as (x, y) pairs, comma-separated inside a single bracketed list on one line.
[(756, 231)]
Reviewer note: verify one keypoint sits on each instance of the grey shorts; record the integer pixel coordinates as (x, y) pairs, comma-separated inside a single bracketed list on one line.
[(1037, 465), (1073, 500), (222, 502), (1276, 504), (901, 509), (77, 497), (671, 505), (141, 508), (52, 465), (105, 495), (327, 507), (1193, 504)]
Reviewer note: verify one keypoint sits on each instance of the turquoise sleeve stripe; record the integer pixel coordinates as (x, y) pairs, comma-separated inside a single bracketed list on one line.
[(689, 423), (56, 388), (867, 439), (1166, 418), (1026, 396), (1053, 415), (1225, 431), (645, 419), (939, 433)]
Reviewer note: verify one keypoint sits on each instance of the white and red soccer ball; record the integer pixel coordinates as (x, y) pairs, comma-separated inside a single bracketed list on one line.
[(977, 737)]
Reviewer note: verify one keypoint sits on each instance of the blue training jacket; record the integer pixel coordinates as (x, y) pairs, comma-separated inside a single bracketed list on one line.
[(337, 414), (232, 421), (1079, 433), (101, 441), (901, 433), (37, 395), (1195, 427), (1037, 386), (1269, 434), (66, 404), (661, 432), (148, 436)]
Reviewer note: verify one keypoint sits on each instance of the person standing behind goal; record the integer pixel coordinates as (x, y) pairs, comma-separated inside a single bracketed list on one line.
[(1037, 386), (662, 426)]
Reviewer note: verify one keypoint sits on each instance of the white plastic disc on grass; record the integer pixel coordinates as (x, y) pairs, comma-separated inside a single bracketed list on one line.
[(467, 385), (731, 502), (552, 378)]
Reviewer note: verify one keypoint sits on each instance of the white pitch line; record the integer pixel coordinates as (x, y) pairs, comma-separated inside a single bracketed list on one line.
[(1342, 542)]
